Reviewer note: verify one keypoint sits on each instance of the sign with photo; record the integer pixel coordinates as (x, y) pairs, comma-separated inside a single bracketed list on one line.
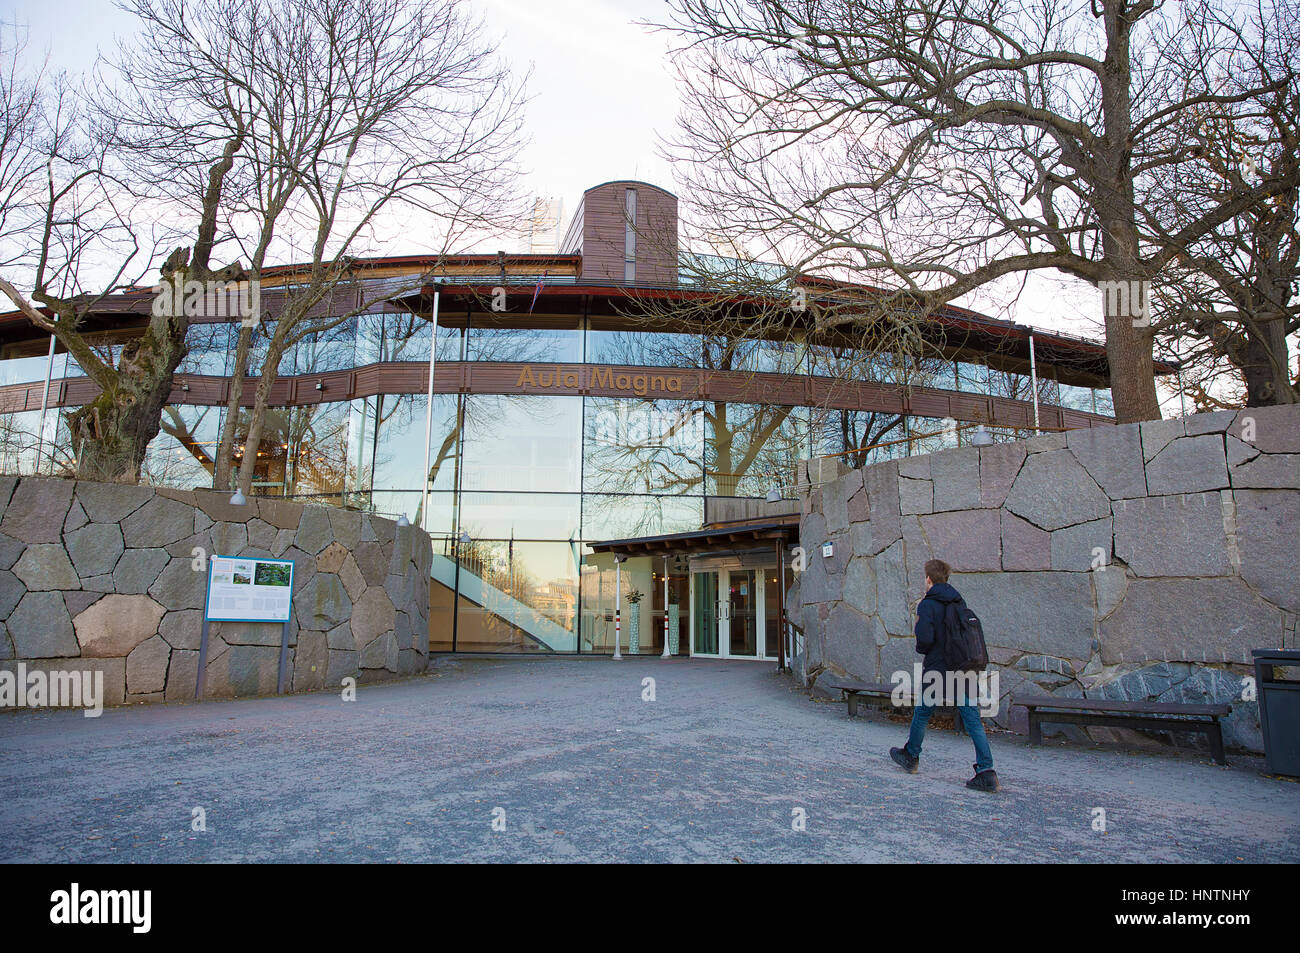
[(249, 589)]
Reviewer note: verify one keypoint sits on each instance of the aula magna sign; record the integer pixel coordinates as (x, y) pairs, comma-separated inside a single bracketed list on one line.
[(583, 378)]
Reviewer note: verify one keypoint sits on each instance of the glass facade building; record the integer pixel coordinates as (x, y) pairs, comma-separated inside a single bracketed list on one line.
[(557, 422)]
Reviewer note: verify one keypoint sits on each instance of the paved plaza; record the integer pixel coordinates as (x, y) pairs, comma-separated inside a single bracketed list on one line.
[(716, 768)]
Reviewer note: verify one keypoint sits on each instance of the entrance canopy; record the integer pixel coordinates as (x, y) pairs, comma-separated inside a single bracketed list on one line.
[(730, 538), (729, 617)]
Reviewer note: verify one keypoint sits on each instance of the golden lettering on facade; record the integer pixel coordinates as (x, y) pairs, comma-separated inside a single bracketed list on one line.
[(598, 377)]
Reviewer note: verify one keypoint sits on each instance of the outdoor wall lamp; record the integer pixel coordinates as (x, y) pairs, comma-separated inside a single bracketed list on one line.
[(185, 385), (981, 437), (320, 385)]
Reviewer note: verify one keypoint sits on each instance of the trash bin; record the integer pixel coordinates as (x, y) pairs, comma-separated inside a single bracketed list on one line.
[(1279, 709)]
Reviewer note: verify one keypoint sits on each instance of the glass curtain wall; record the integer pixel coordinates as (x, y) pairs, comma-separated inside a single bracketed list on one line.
[(517, 485)]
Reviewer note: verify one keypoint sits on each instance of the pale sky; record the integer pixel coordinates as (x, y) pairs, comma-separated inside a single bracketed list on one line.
[(602, 96)]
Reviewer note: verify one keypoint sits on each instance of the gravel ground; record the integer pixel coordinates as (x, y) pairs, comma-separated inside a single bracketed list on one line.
[(722, 765)]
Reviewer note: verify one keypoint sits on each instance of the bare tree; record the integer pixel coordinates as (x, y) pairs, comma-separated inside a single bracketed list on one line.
[(354, 113), (1228, 302), (934, 146), (72, 233)]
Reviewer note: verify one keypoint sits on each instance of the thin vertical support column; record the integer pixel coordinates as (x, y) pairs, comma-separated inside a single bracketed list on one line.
[(618, 605), (665, 652), (428, 412), (1033, 378), (45, 401), (780, 606)]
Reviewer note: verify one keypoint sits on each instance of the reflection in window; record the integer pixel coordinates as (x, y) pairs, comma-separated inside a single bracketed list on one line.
[(1010, 384), (315, 444), (386, 441), (183, 454), (749, 448), (210, 347), (525, 345), (606, 516), (522, 443), (643, 348), (855, 435), (740, 353), (513, 596), (972, 378), (406, 503), (396, 336), (930, 435), (330, 350), (520, 515), (642, 446), (29, 370), (23, 449), (1075, 397)]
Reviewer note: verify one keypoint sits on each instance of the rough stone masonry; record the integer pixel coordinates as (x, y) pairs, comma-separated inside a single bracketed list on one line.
[(1140, 561), (103, 577)]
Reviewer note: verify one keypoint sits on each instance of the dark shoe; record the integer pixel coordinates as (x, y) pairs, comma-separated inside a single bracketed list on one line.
[(905, 760), (986, 780)]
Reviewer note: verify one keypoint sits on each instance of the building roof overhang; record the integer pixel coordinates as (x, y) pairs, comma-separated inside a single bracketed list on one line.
[(715, 540)]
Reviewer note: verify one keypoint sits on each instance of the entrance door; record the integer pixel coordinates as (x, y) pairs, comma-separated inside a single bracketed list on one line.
[(727, 613), (705, 613), (742, 614)]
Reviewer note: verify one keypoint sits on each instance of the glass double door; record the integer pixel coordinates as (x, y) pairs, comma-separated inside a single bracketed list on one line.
[(727, 613)]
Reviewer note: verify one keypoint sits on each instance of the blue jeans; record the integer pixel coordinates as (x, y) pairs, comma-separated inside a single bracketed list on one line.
[(970, 717)]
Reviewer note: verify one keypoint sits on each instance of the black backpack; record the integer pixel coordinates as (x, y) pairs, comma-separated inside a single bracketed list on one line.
[(964, 649)]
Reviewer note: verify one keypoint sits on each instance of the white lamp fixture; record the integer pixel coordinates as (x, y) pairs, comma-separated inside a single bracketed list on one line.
[(981, 437), (238, 499), (402, 520)]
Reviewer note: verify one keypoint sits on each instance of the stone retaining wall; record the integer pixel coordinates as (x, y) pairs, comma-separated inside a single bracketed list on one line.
[(98, 576), (1129, 562)]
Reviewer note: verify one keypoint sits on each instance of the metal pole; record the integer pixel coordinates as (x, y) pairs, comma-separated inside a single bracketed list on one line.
[(780, 605), (618, 604), (282, 677), (665, 653), (45, 398), (428, 410), (202, 678), (1033, 378)]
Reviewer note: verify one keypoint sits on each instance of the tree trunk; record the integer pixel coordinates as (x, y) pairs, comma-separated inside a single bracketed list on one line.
[(226, 445), (111, 433), (1266, 367), (257, 420), (1132, 370)]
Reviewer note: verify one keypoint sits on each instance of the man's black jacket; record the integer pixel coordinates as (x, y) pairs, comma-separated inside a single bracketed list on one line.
[(930, 625)]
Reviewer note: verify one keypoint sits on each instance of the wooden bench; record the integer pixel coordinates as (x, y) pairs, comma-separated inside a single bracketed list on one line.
[(1147, 716), (851, 690)]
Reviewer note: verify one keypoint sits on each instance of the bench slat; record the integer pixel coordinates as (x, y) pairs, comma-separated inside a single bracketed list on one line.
[(1122, 707), (865, 688)]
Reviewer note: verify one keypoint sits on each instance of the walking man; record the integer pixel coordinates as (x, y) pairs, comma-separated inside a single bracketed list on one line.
[(931, 637)]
